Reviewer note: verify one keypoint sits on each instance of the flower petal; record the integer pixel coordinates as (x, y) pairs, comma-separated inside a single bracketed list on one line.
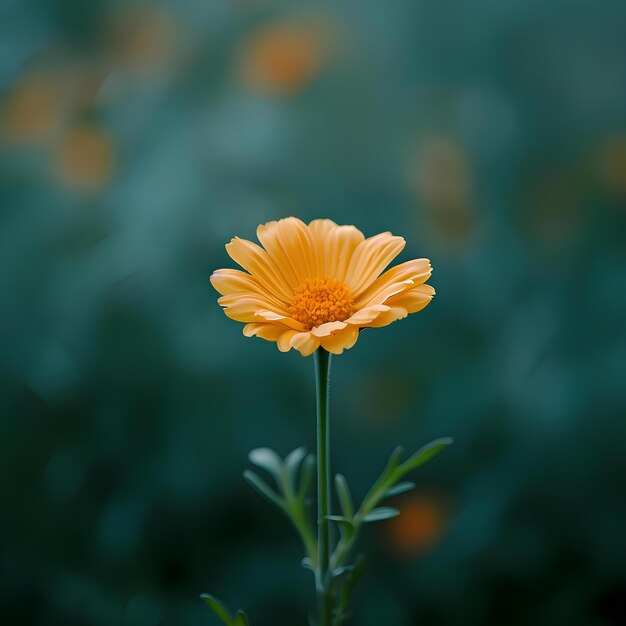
[(243, 307), (335, 245), (414, 299), (417, 270), (341, 340), (387, 317), (269, 332), (228, 282), (377, 315), (284, 341), (369, 259), (305, 343), (367, 315), (292, 247), (389, 291), (257, 262), (272, 316), (323, 330), (322, 229)]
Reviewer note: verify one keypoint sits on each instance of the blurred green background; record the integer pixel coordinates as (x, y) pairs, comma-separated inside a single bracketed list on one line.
[(137, 139)]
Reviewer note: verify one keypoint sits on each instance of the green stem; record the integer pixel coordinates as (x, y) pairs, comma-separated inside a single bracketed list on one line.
[(322, 379)]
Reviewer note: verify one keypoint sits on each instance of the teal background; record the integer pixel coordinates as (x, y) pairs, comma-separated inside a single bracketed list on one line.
[(136, 140)]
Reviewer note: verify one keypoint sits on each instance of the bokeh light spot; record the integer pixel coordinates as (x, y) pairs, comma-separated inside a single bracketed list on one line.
[(612, 164), (33, 108), (420, 526), (85, 158), (282, 58)]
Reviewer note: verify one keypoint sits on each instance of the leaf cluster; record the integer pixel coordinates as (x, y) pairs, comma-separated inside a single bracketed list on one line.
[(292, 478)]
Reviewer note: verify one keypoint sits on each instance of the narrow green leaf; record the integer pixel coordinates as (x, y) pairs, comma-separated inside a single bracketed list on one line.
[(306, 476), (342, 571), (389, 476), (240, 619), (343, 493), (347, 527), (340, 519), (399, 488), (218, 608), (357, 573), (425, 454), (380, 514), (293, 460), (268, 460), (263, 488), (307, 563), (393, 461)]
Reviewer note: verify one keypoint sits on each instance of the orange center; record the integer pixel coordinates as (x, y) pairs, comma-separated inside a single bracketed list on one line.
[(320, 300)]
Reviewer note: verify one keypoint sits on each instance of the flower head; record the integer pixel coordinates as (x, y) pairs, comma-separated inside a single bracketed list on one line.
[(318, 285)]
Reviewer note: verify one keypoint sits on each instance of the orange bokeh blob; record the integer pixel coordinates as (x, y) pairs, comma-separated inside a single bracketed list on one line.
[(611, 160), (33, 108), (84, 160), (283, 57), (420, 526)]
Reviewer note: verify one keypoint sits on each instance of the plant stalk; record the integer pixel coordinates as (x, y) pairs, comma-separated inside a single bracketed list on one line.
[(322, 379)]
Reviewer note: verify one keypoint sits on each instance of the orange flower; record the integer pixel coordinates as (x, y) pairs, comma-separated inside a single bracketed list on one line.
[(318, 285)]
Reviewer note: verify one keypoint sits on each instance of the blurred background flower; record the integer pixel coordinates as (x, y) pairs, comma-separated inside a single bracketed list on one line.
[(282, 57), (84, 158), (421, 525), (138, 137), (33, 107)]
